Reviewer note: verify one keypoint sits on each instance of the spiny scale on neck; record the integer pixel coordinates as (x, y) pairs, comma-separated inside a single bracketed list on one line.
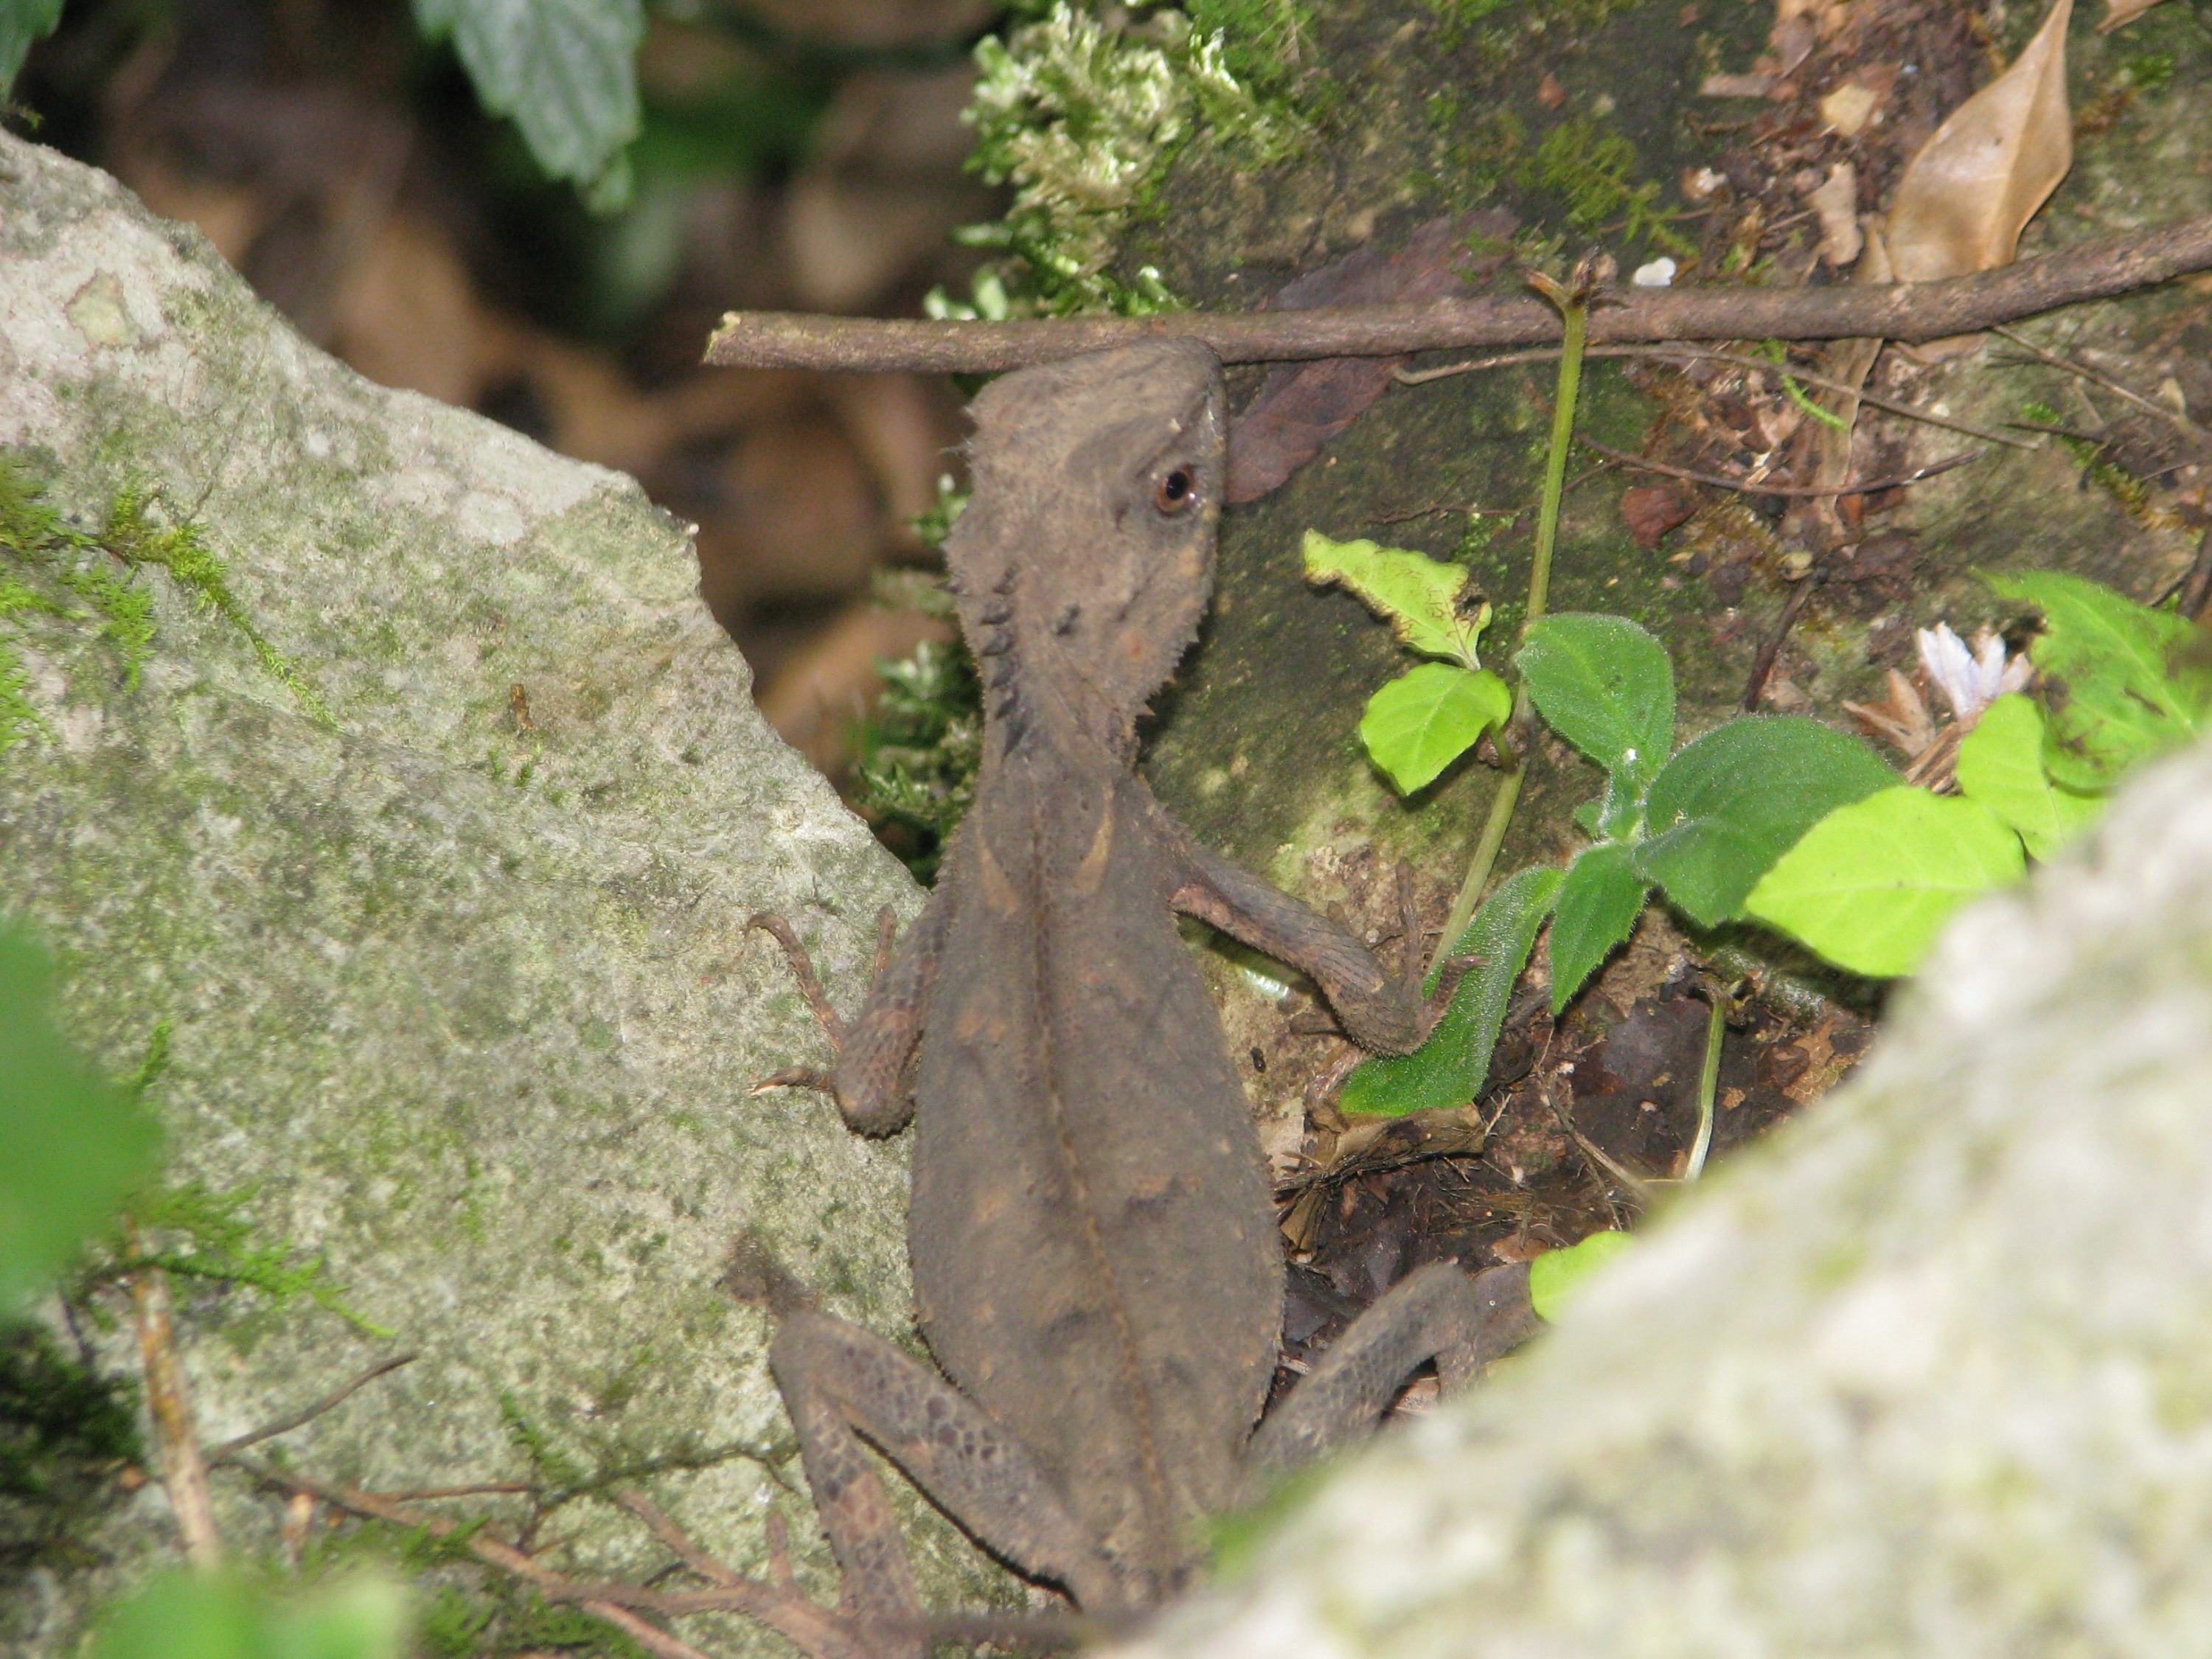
[(992, 639)]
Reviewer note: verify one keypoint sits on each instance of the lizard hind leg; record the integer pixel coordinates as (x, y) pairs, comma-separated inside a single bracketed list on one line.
[(1461, 1321), (844, 1386)]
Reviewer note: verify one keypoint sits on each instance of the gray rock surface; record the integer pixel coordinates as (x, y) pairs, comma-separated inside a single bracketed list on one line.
[(1928, 1373), (466, 1003)]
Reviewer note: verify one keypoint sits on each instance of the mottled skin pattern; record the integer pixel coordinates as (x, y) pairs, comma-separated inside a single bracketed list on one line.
[(1094, 1246)]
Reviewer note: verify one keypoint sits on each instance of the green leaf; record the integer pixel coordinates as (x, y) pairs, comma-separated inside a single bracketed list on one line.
[(1870, 884), (1736, 799), (1554, 1276), (565, 70), (23, 24), (2001, 765), (71, 1143), (186, 1616), (1451, 1068), (1599, 903), (1606, 686), (1428, 605), (1427, 718), (2121, 682)]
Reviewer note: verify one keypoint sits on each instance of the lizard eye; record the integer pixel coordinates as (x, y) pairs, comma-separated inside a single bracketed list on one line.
[(1176, 491)]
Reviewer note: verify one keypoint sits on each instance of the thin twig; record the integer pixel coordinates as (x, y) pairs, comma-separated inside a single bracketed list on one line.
[(169, 1402), (1754, 487), (1900, 311), (1762, 666), (813, 1630), (337, 1397), (2181, 424), (1634, 1185), (2193, 591), (1741, 360), (677, 1541)]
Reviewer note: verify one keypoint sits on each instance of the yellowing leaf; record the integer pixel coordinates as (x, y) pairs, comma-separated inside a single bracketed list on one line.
[(1966, 196), (1427, 603), (2118, 12), (1872, 883)]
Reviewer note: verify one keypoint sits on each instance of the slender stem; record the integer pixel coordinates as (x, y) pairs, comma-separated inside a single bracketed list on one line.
[(1486, 849), (1574, 310), (1709, 1078), (1576, 313), (168, 1402)]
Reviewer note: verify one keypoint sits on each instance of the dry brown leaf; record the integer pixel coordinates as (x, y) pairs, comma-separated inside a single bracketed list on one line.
[(1301, 406), (1966, 196), (1847, 109), (1835, 205), (2118, 12), (1651, 510)]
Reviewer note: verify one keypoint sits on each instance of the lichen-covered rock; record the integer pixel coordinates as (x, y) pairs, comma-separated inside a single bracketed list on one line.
[(456, 978), (1927, 1374)]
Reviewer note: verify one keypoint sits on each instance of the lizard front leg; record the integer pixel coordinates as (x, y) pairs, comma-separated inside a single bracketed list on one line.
[(869, 1081), (1373, 1008), (1438, 1312)]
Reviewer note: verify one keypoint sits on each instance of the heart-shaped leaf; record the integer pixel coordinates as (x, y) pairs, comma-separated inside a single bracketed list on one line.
[(1606, 686), (1427, 718), (1735, 800)]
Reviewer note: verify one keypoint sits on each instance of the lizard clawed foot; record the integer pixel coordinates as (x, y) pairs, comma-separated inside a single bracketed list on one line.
[(866, 1076), (796, 1077), (802, 969)]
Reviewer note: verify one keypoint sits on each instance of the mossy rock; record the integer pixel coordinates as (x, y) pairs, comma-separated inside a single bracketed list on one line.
[(449, 932)]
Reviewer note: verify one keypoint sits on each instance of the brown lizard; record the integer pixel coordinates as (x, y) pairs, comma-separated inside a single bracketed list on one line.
[(1093, 1243)]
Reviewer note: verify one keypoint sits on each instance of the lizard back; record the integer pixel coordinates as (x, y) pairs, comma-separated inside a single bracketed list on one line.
[(1093, 1238)]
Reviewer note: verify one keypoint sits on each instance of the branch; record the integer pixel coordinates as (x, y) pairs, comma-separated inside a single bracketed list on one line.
[(1905, 311), (1754, 487), (168, 1402), (813, 1630), (329, 1401)]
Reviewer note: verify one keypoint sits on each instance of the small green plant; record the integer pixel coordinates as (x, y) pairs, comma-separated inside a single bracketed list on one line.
[(920, 750), (1592, 170), (213, 1241), (2119, 683), (1701, 825), (1429, 716), (1083, 115)]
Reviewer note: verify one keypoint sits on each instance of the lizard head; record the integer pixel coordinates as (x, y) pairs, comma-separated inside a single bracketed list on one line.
[(1086, 556)]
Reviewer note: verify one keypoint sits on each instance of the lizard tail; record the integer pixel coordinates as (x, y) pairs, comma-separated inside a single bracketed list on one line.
[(755, 1274)]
